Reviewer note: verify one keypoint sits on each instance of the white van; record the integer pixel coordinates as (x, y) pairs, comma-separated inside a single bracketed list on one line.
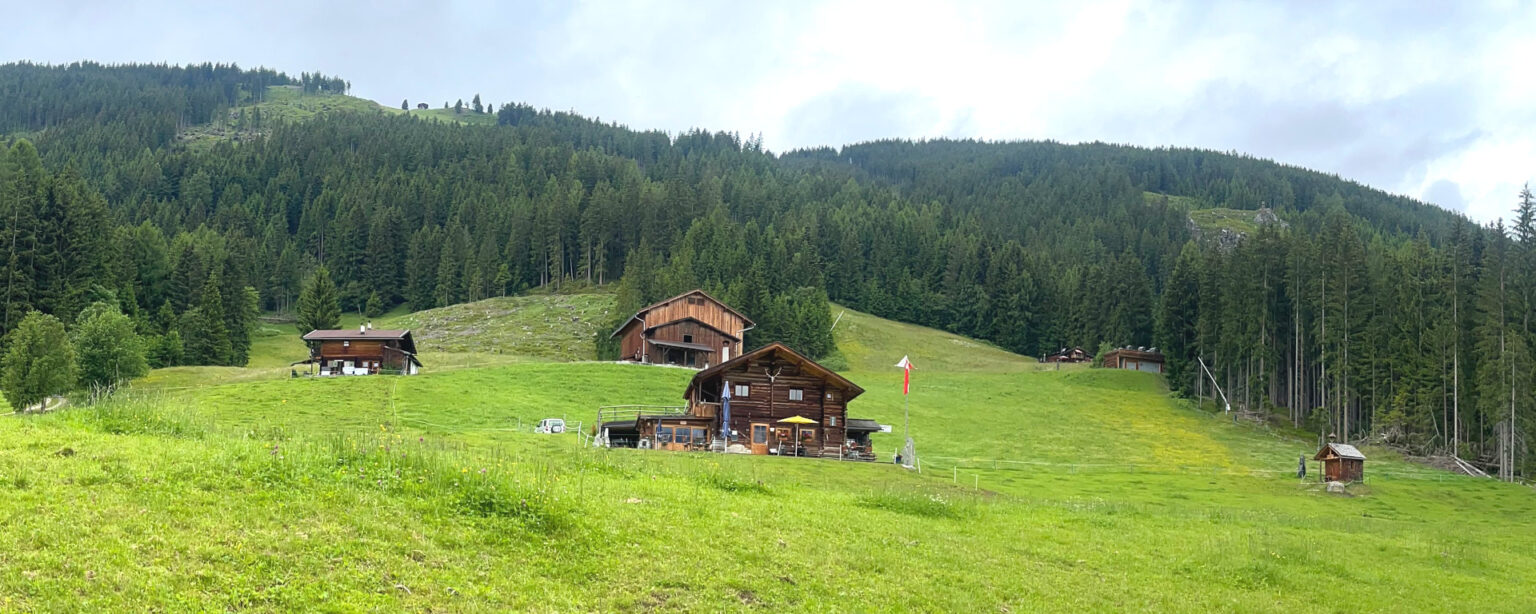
[(550, 426)]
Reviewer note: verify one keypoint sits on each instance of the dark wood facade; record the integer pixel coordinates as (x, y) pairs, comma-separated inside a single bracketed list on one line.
[(365, 351), (1134, 359), (780, 403), (1341, 463), (691, 329)]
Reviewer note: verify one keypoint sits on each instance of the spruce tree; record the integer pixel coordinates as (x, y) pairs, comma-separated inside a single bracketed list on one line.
[(39, 361), (205, 334), (319, 308)]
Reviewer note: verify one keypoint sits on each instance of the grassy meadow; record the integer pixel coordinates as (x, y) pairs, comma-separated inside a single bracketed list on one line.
[(1042, 490)]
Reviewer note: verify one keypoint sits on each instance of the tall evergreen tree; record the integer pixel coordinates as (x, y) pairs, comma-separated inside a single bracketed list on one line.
[(319, 308)]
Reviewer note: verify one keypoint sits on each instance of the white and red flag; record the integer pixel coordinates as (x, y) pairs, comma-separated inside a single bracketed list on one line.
[(906, 374)]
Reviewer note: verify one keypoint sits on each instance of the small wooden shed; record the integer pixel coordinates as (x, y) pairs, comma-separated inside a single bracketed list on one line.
[(1341, 463)]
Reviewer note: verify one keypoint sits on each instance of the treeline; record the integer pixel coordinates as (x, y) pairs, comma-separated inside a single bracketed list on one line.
[(63, 249), (1364, 335), (1035, 246)]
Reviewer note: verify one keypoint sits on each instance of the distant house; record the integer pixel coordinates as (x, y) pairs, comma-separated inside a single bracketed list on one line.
[(1074, 354), (1134, 359), (421, 106), (1341, 463), (691, 330), (780, 403), (364, 351)]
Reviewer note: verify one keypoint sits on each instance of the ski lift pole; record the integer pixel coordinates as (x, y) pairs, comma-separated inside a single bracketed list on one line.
[(1215, 385)]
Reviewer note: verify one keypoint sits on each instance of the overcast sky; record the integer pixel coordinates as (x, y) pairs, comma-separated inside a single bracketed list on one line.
[(1436, 101)]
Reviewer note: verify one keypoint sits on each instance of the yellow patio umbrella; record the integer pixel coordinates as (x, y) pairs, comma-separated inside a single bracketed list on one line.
[(797, 421)]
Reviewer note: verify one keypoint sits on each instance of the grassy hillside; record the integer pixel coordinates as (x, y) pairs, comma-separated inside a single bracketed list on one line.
[(288, 103), (1097, 491)]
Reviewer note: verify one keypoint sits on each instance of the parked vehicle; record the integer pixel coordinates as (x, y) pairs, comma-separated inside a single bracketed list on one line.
[(550, 426)]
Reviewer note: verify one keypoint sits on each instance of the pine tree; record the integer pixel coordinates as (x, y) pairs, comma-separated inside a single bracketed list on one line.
[(39, 361), (1178, 318), (405, 105), (23, 192), (375, 306), (319, 308), (204, 331)]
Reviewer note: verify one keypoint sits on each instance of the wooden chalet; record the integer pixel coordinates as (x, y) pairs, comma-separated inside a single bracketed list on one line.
[(1073, 354), (364, 351), (780, 402), (690, 330), (1134, 359), (1341, 463)]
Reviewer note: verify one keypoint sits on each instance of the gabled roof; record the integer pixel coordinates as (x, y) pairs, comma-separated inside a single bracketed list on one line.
[(700, 293), (863, 424), (350, 334), (643, 310), (1342, 450), (779, 350), (403, 336)]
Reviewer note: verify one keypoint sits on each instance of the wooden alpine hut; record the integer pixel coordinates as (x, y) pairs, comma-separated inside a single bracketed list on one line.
[(691, 329), (1341, 463), (364, 351), (772, 400)]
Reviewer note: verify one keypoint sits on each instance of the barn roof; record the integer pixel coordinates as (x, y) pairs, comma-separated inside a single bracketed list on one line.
[(641, 313), (1342, 450), (779, 350)]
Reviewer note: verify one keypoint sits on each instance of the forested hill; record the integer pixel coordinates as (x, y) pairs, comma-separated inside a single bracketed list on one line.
[(1021, 177), (1369, 315)]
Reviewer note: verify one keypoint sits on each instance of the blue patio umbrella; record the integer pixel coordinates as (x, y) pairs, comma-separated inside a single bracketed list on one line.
[(725, 414)]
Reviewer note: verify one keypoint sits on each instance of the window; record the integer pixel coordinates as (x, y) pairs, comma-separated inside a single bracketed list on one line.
[(346, 344), (796, 394), (759, 433), (741, 391), (681, 435), (700, 435), (807, 435), (687, 338), (663, 434)]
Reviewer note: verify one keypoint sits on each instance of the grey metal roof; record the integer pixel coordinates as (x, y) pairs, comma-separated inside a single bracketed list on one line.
[(1345, 450), (351, 334), (862, 424)]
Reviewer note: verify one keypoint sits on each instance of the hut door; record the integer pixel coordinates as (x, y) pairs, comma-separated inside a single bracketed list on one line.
[(759, 438)]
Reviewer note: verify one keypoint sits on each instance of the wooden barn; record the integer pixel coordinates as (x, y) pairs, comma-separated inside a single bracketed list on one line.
[(1134, 359), (1073, 355), (690, 330), (364, 351), (780, 402), (1341, 463)]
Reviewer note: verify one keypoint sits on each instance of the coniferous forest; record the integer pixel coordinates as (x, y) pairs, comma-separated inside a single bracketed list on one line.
[(1359, 314)]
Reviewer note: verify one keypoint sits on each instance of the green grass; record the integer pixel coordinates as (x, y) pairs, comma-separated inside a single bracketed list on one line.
[(551, 327), (1217, 219), (245, 489), (288, 104)]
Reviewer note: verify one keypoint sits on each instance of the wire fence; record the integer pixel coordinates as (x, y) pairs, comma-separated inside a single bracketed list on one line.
[(941, 463)]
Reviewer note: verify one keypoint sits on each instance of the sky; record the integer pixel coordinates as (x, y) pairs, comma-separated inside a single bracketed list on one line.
[(1432, 100)]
